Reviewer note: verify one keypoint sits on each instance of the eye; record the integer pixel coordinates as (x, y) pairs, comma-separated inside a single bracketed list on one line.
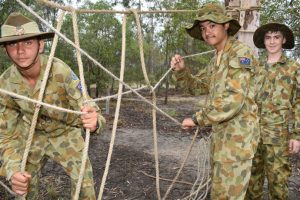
[(28, 42), (12, 44), (202, 28), (211, 26)]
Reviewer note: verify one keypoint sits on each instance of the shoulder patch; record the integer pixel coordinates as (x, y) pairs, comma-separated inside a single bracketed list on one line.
[(245, 61)]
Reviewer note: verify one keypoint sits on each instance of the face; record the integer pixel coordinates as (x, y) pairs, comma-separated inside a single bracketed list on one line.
[(24, 52), (273, 42), (214, 34)]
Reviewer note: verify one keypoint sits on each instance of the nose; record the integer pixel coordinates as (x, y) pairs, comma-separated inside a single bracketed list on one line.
[(20, 47), (206, 31)]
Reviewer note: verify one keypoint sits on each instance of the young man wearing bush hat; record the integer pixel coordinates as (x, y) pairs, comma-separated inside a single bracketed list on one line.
[(278, 98), (230, 108), (57, 134)]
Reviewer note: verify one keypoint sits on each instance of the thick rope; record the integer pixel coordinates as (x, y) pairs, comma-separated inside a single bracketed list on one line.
[(94, 61), (85, 97), (40, 97), (170, 69), (40, 102), (155, 146), (69, 8), (115, 124)]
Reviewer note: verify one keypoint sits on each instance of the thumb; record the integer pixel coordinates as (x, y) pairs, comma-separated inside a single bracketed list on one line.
[(27, 175)]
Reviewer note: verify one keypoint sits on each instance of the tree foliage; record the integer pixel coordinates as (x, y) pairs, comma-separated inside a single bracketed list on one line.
[(164, 35)]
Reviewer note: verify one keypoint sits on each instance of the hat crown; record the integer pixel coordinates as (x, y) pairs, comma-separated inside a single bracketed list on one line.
[(17, 24), (211, 9), (16, 19)]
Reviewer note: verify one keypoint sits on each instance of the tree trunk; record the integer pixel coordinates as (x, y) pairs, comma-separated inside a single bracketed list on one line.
[(248, 17)]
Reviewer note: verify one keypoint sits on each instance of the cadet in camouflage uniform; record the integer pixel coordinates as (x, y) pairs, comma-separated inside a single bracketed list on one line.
[(230, 107), (278, 97), (58, 134)]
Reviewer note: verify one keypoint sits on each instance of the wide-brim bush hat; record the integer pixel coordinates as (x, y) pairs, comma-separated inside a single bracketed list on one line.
[(259, 35), (215, 13), (18, 27)]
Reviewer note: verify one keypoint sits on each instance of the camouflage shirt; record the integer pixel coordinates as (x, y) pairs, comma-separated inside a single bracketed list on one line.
[(279, 95), (63, 90), (230, 107)]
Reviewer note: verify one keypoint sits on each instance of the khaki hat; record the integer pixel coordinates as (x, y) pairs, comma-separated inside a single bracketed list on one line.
[(215, 13), (18, 27), (259, 35)]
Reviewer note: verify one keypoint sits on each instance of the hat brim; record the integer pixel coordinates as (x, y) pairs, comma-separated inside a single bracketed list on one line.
[(259, 35), (46, 35), (194, 30)]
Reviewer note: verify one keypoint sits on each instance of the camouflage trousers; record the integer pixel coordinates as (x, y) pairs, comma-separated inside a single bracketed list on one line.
[(230, 180), (66, 150), (272, 161)]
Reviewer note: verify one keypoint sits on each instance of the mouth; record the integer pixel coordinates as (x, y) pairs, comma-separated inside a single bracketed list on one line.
[(209, 37)]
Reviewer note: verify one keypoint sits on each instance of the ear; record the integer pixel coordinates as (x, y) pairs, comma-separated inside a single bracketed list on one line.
[(226, 26), (284, 40), (41, 46)]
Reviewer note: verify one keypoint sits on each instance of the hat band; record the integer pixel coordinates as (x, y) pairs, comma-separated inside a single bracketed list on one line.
[(27, 28)]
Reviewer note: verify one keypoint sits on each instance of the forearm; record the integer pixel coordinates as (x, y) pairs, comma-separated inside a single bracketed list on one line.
[(195, 85)]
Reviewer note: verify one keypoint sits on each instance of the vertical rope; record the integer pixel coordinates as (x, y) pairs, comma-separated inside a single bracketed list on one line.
[(117, 109), (84, 93), (40, 97), (140, 40)]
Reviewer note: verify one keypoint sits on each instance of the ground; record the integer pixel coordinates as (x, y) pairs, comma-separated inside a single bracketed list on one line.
[(132, 165)]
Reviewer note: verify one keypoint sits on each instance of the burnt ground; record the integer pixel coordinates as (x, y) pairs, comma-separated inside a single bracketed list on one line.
[(132, 162)]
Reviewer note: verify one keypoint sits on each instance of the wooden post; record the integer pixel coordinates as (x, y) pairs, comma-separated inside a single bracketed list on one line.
[(247, 13), (107, 102)]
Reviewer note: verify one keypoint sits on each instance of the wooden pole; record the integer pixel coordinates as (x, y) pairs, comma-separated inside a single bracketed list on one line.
[(247, 13)]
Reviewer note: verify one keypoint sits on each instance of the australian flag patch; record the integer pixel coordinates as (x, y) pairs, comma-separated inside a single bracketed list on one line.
[(245, 61)]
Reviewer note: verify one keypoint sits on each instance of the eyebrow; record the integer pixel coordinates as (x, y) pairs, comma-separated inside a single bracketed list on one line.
[(209, 22)]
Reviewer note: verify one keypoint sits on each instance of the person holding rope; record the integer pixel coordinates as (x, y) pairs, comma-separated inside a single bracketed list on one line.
[(229, 81), (57, 134), (278, 98)]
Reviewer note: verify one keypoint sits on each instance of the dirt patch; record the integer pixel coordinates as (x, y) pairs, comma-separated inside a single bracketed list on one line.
[(132, 159)]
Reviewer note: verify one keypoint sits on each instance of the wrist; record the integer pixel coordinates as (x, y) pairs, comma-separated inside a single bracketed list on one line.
[(97, 127)]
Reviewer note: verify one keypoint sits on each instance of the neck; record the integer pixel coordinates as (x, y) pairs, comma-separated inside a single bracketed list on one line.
[(220, 46), (31, 75), (274, 57)]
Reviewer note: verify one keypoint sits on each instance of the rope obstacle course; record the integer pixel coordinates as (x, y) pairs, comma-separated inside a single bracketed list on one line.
[(203, 180)]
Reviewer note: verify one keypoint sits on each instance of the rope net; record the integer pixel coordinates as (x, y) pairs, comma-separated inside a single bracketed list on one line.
[(201, 185)]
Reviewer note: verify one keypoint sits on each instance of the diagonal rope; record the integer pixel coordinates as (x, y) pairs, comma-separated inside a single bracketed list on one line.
[(170, 69), (40, 97), (140, 41), (12, 94), (85, 96), (94, 61), (115, 124), (182, 165)]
